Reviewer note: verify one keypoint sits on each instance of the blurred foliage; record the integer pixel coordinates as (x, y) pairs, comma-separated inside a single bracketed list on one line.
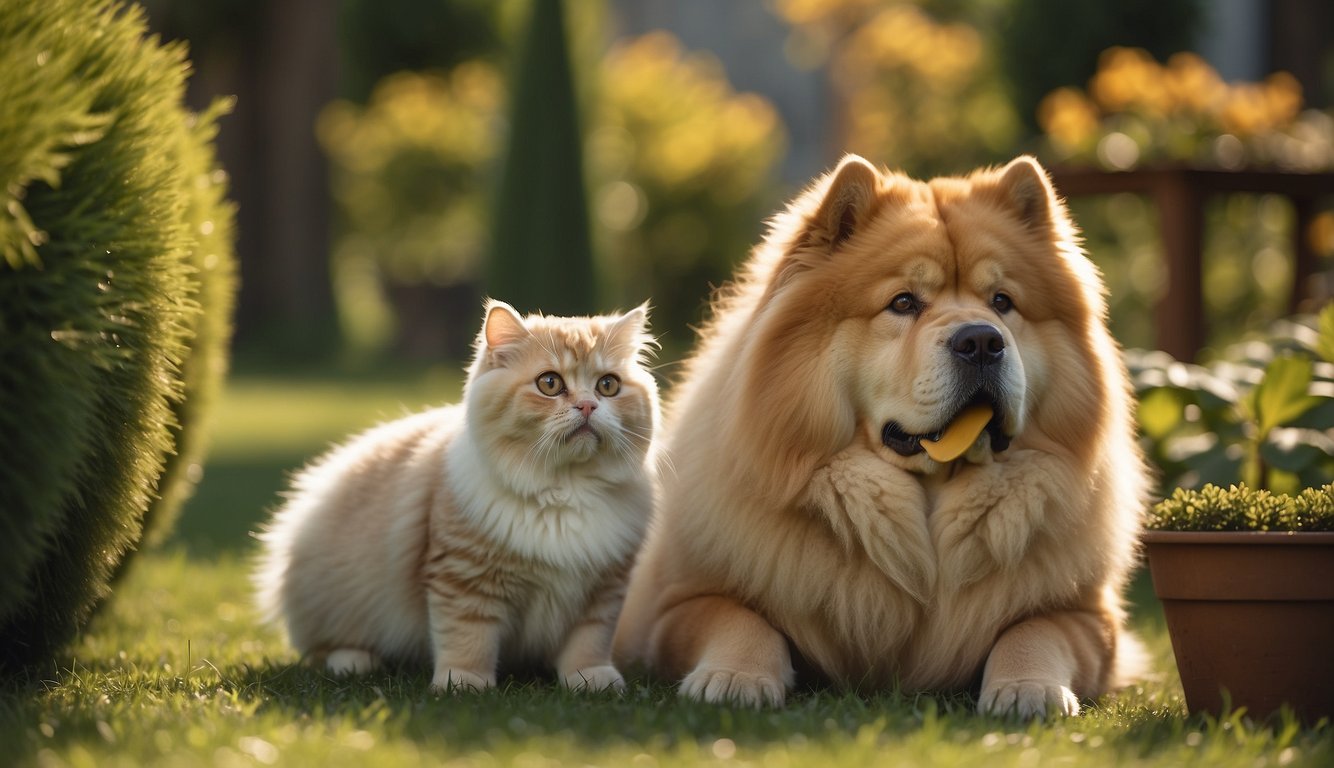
[(918, 85), (1136, 111), (1247, 261), (681, 172), (410, 174), (684, 170), (113, 221), (381, 37), (1262, 414), (1241, 508), (1046, 44)]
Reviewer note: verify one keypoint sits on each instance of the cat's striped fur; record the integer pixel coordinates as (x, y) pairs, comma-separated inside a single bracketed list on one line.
[(494, 532)]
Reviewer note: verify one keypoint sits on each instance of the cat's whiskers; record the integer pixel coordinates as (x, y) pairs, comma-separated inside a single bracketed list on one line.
[(523, 527), (629, 442)]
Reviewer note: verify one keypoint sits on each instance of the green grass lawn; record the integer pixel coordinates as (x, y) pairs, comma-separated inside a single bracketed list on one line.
[(178, 670)]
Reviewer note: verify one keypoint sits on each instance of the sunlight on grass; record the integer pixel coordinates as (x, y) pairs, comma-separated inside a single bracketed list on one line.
[(268, 426), (179, 670), (276, 416)]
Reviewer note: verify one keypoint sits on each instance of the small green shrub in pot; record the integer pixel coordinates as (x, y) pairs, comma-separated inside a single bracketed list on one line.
[(1240, 508)]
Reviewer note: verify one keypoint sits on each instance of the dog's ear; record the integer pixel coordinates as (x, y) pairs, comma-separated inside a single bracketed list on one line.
[(1026, 190), (847, 196), (846, 205)]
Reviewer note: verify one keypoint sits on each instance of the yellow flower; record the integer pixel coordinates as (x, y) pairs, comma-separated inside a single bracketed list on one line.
[(1127, 77), (1068, 117), (1245, 110), (1283, 98), (1193, 85)]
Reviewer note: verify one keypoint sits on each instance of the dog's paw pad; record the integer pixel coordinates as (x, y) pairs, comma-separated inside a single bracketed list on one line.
[(1028, 699), (726, 686)]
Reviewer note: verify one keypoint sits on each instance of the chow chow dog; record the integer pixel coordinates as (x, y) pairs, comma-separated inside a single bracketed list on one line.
[(903, 454)]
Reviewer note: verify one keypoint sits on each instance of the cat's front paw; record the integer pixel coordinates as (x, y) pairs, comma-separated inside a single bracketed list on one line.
[(1028, 699), (727, 686), (451, 680), (350, 661), (599, 678)]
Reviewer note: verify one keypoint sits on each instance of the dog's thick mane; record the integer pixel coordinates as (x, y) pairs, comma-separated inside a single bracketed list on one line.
[(734, 310), (788, 437)]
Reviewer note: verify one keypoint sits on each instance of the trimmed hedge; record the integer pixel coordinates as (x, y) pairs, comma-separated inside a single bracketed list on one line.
[(1239, 508), (107, 272), (210, 217)]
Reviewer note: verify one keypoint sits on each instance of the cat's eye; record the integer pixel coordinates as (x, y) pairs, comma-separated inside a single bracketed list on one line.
[(1002, 303), (904, 304), (609, 385), (550, 384)]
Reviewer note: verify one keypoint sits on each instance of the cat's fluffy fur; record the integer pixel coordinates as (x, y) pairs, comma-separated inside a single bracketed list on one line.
[(802, 526), (494, 532)]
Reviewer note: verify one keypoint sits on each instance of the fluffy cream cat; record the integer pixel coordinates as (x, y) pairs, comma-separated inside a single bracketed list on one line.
[(495, 532)]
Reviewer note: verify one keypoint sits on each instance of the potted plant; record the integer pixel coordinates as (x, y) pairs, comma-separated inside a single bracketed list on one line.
[(1246, 579)]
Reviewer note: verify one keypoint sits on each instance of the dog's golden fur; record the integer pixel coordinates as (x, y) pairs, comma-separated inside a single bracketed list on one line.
[(789, 530)]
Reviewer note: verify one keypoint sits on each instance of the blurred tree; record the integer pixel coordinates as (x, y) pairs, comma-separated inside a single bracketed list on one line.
[(279, 59), (1045, 44), (541, 256)]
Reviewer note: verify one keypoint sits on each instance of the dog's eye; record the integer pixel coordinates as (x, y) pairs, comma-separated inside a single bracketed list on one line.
[(904, 304), (550, 384), (1002, 303)]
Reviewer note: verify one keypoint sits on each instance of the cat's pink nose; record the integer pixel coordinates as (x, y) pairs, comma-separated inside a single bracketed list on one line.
[(586, 407)]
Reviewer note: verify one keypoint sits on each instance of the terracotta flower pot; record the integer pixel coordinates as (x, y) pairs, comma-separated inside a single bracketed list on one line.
[(1249, 613)]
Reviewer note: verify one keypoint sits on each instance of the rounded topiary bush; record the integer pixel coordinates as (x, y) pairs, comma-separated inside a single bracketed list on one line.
[(115, 278), (210, 218)]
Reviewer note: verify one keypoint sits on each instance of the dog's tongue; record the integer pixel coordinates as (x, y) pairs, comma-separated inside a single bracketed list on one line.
[(960, 434)]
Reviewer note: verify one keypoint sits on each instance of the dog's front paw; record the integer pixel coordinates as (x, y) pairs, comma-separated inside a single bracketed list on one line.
[(599, 678), (1028, 699), (724, 686), (451, 679)]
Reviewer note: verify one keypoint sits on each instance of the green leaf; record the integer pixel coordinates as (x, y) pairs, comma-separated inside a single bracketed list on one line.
[(1324, 345), (1293, 457), (1320, 416), (1282, 395), (1160, 412)]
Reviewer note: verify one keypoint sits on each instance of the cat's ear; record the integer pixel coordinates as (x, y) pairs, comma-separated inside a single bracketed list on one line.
[(631, 329), (502, 326)]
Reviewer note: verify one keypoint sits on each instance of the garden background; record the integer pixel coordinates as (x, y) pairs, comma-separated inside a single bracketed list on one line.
[(373, 151)]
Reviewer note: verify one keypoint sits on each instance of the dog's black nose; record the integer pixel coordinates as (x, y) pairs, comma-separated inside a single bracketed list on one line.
[(978, 344)]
